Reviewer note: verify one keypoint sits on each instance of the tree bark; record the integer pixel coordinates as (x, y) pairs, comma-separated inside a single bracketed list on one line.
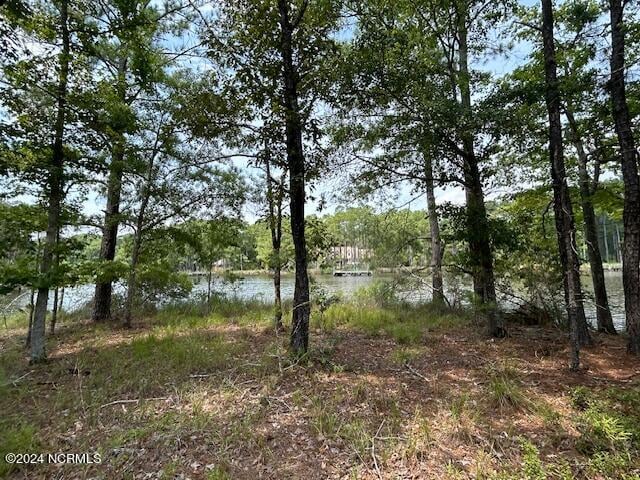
[(27, 342), (132, 280), (54, 312), (563, 211), (103, 291), (295, 158), (104, 288), (274, 201), (137, 240), (477, 220), (437, 251), (603, 313), (631, 214), (56, 194)]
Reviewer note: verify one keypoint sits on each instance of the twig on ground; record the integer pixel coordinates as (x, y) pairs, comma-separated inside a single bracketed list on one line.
[(373, 451), (15, 382), (132, 400), (415, 372)]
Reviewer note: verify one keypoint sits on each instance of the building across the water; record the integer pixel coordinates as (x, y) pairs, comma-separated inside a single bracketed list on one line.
[(349, 255)]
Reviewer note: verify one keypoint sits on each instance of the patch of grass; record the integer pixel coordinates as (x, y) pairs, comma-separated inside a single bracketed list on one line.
[(220, 310), (405, 323), (323, 418), (420, 438), (603, 431), (609, 426), (16, 439), (356, 434), (404, 355), (124, 371), (459, 405), (16, 319), (504, 386), (218, 473)]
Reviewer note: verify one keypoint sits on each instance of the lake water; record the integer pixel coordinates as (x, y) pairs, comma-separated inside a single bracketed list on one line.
[(260, 287)]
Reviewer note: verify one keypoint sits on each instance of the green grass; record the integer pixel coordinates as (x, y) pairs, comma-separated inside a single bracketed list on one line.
[(407, 324), (19, 438), (504, 386)]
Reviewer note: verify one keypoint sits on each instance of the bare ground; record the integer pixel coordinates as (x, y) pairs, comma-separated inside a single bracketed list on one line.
[(225, 401)]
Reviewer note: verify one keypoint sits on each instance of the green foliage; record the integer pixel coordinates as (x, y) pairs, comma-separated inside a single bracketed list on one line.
[(378, 293), (532, 465), (609, 427)]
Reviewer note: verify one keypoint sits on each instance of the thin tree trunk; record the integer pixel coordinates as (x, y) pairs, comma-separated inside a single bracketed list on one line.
[(27, 342), (437, 251), (274, 201), (477, 220), (104, 287), (61, 304), (54, 312), (56, 194), (603, 313), (562, 203), (209, 279), (631, 215), (137, 239), (301, 308), (132, 280)]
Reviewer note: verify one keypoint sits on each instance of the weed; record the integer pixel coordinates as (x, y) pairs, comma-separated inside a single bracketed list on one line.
[(16, 439), (218, 473), (504, 387), (531, 463)]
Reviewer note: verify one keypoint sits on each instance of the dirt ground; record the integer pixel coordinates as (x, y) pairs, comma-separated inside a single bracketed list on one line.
[(216, 401)]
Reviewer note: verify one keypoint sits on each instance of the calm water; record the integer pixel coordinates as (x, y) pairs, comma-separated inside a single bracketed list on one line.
[(261, 288)]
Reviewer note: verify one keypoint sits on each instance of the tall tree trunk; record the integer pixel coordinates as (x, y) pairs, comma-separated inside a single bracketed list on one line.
[(437, 251), (301, 308), (56, 194), (631, 215), (103, 291), (603, 313), (132, 285), (104, 287), (562, 202), (274, 200), (477, 220)]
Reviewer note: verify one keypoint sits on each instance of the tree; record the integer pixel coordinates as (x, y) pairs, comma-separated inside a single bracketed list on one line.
[(275, 196), (587, 130), (629, 163), (562, 202), (275, 56), (422, 73), (212, 238), (172, 182), (126, 45), (28, 157)]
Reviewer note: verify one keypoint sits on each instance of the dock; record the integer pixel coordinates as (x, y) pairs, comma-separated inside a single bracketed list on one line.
[(352, 273)]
